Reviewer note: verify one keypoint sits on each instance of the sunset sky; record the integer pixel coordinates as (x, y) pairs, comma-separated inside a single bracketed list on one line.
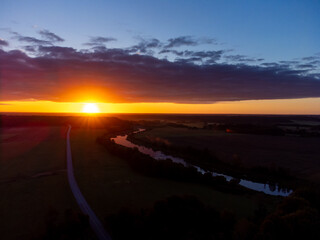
[(250, 57)]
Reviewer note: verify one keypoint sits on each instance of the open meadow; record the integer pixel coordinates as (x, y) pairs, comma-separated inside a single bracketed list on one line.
[(110, 185), (33, 182), (36, 199), (300, 155)]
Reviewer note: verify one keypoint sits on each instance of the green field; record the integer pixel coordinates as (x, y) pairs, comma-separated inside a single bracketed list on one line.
[(109, 184), (33, 181), (299, 155)]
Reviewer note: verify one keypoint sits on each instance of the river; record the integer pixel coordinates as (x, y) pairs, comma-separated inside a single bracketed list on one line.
[(158, 155)]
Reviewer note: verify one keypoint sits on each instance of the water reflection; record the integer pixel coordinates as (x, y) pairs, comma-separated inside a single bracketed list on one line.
[(158, 155)]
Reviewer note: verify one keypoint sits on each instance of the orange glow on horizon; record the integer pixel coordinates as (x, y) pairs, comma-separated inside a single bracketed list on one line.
[(285, 106)]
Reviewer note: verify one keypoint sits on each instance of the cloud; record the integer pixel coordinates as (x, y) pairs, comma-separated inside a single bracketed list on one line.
[(187, 41), (30, 49), (195, 56), (33, 40), (57, 52), (187, 56), (271, 64), (208, 56), (117, 75), (310, 58), (241, 58), (305, 66), (146, 46), (3, 43), (181, 41), (178, 53), (309, 64), (30, 40), (50, 36), (94, 41), (137, 74)]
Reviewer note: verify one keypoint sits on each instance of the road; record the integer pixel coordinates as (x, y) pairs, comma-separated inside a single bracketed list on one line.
[(84, 206)]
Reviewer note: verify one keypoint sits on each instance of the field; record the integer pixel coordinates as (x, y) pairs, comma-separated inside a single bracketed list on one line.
[(34, 184), (33, 180), (299, 155), (110, 185)]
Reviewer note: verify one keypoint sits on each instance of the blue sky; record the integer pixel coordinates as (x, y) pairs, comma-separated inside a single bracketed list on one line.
[(274, 30)]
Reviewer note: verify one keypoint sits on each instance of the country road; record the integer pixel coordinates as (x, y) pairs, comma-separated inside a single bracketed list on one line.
[(84, 206)]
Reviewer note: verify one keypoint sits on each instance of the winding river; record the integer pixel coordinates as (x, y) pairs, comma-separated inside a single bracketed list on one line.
[(158, 155)]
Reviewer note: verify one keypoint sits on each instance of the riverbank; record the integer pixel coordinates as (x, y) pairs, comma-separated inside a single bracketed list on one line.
[(197, 147)]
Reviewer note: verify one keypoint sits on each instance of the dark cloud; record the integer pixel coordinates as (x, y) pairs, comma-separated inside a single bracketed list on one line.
[(289, 62), (241, 58), (146, 46), (309, 58), (57, 52), (3, 43), (153, 45), (190, 60), (196, 56), (207, 41), (50, 36), (212, 55), (305, 66), (187, 41), (30, 49), (175, 52), (33, 40), (181, 41), (94, 41), (134, 74), (30, 40), (271, 64), (316, 62), (307, 63), (115, 75)]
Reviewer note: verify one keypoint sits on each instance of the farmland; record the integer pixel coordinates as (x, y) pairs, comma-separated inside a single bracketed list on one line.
[(299, 155), (35, 190), (33, 180), (111, 185)]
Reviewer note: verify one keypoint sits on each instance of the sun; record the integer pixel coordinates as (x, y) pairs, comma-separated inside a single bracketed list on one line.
[(90, 108)]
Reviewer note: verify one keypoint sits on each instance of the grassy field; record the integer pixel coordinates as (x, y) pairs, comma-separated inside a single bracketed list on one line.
[(33, 180), (31, 151), (300, 155), (109, 184)]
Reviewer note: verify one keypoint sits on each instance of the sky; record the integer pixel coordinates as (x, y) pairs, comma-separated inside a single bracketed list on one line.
[(161, 56)]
